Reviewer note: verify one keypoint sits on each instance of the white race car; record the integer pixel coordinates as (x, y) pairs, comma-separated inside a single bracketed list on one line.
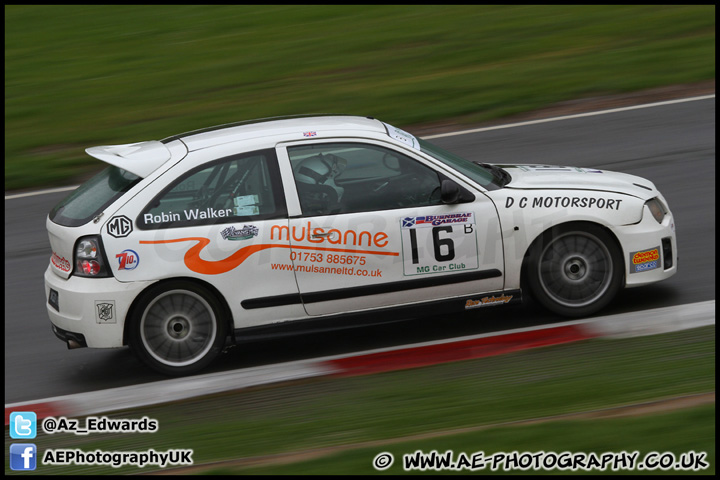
[(182, 245)]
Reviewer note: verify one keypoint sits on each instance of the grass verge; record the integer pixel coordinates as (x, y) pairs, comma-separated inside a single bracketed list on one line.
[(85, 75), (659, 433), (525, 385)]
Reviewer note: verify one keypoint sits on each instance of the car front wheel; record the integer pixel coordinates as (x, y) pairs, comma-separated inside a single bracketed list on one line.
[(178, 328), (575, 271)]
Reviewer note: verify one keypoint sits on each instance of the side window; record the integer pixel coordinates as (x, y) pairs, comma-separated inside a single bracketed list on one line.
[(354, 177), (240, 187)]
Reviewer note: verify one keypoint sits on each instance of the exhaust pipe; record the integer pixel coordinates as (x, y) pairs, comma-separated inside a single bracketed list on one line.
[(72, 340)]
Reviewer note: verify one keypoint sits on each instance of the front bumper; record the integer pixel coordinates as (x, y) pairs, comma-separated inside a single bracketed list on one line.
[(90, 311), (640, 241)]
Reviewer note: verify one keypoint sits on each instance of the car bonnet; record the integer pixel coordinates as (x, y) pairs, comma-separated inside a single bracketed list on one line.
[(560, 177)]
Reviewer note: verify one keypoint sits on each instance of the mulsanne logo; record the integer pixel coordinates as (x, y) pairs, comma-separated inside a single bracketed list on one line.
[(331, 240), (332, 236), (119, 226)]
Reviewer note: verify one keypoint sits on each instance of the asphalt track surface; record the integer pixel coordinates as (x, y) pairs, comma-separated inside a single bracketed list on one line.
[(671, 145)]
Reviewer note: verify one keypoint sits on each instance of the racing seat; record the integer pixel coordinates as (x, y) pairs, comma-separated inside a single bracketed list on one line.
[(314, 178), (316, 199)]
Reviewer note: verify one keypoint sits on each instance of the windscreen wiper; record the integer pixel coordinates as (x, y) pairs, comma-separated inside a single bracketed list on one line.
[(502, 176)]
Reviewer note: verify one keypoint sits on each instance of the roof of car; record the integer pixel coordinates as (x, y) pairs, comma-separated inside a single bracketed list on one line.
[(299, 125), (143, 158)]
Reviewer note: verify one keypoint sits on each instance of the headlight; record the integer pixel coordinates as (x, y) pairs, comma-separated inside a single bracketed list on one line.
[(656, 208)]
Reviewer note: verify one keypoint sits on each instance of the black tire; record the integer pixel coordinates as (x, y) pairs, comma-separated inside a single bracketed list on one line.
[(575, 270), (178, 327)]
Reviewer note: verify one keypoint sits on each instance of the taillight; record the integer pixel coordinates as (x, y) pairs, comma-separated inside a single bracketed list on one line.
[(89, 258), (90, 267)]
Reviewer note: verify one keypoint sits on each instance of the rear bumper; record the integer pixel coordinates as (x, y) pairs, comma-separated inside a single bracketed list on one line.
[(71, 339), (89, 311)]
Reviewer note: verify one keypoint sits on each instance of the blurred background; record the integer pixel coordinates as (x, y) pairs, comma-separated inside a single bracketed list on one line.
[(79, 76)]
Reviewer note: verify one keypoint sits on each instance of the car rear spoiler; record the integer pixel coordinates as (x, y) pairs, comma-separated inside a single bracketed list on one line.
[(140, 158)]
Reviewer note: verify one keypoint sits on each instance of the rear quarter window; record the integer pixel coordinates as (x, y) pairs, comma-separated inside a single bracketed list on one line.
[(240, 187), (93, 196)]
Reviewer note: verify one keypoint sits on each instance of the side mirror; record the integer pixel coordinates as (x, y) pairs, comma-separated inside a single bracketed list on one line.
[(451, 193)]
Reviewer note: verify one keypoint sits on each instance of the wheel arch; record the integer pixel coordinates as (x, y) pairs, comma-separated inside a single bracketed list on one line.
[(208, 286), (548, 233)]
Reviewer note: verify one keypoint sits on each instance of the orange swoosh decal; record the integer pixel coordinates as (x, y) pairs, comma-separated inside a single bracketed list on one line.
[(215, 267), (208, 267)]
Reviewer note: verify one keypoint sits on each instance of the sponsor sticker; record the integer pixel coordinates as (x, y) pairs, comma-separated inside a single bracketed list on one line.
[(332, 247), (439, 243), (127, 260), (60, 262), (644, 260), (105, 311), (488, 301), (119, 226), (564, 202), (245, 233), (402, 136), (435, 220)]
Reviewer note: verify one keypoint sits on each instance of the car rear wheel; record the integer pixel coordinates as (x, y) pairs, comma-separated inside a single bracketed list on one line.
[(575, 271), (178, 328)]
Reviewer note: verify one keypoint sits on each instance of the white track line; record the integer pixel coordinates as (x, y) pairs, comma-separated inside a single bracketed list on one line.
[(40, 192), (465, 132), (568, 117)]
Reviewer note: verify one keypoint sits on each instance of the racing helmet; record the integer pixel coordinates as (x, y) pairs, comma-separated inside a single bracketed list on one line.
[(321, 170)]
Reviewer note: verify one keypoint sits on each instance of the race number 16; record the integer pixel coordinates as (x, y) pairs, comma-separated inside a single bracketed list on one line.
[(436, 244)]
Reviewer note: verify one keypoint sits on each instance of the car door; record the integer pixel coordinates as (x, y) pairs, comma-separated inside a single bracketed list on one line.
[(214, 223), (373, 230)]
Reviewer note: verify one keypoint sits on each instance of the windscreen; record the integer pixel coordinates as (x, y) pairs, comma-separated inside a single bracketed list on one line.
[(480, 175)]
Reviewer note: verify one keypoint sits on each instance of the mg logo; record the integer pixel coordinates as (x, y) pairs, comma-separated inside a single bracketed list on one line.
[(119, 226)]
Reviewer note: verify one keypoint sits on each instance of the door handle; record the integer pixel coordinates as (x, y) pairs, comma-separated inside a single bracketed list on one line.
[(323, 235)]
